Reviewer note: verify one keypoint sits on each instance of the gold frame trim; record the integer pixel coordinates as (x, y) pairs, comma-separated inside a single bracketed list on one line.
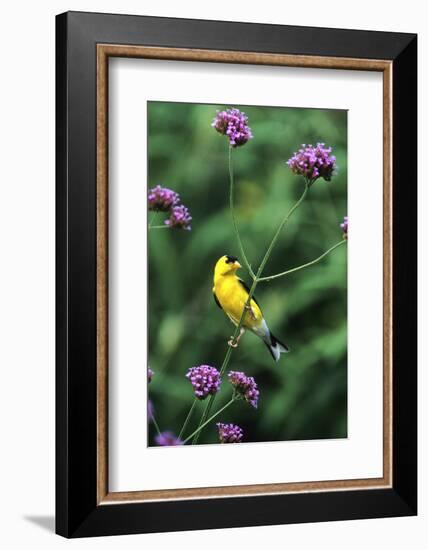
[(104, 51)]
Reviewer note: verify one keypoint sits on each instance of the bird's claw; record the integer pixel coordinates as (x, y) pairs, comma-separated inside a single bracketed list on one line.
[(232, 342)]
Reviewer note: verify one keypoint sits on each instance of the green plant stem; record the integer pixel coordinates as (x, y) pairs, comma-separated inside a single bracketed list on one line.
[(199, 428), (232, 212), (303, 266), (155, 424), (189, 414), (278, 231), (152, 219), (250, 295), (159, 227)]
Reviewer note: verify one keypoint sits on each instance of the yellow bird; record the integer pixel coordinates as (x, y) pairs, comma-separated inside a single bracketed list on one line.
[(231, 294)]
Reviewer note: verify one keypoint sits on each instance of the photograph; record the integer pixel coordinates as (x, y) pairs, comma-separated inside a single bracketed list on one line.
[(247, 273), (196, 351)]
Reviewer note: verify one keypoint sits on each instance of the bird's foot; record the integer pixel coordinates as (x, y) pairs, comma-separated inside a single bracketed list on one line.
[(241, 334), (233, 343)]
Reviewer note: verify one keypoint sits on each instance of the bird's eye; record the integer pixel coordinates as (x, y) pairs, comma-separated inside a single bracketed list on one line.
[(231, 259)]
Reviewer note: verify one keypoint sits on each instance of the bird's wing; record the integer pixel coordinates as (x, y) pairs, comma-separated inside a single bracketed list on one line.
[(216, 299), (247, 288)]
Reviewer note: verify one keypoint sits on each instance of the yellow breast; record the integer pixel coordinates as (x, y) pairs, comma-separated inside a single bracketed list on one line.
[(233, 297)]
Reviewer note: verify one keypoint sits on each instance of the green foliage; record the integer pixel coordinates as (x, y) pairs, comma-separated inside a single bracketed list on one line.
[(304, 396)]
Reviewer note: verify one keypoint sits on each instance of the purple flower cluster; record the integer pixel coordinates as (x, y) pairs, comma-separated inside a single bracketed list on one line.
[(229, 433), (233, 124), (179, 218), (205, 380), (167, 439), (313, 162), (344, 227), (245, 386), (162, 199)]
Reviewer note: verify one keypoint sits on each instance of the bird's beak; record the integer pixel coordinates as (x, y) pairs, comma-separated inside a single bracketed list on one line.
[(237, 265)]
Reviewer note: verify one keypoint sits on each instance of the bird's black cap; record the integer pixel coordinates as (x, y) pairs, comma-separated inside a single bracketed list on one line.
[(231, 259)]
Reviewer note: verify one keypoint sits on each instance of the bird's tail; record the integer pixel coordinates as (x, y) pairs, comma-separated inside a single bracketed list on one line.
[(275, 346)]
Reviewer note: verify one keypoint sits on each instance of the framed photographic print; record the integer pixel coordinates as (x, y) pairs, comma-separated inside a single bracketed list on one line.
[(229, 352)]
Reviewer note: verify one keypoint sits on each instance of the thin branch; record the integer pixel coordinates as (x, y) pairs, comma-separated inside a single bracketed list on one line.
[(199, 428), (152, 219), (232, 212), (155, 424), (183, 429), (303, 266)]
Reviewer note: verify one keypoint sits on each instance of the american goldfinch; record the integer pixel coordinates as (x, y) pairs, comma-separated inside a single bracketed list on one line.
[(231, 294)]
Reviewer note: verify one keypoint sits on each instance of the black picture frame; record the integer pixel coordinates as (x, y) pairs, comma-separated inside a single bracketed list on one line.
[(77, 512)]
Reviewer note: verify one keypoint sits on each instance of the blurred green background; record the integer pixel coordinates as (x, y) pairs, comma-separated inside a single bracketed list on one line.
[(304, 395)]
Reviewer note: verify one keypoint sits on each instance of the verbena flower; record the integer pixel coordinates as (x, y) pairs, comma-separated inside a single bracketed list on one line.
[(179, 218), (167, 439), (344, 227), (162, 199), (233, 124), (150, 409), (245, 386), (205, 380), (313, 162), (150, 374), (229, 433)]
